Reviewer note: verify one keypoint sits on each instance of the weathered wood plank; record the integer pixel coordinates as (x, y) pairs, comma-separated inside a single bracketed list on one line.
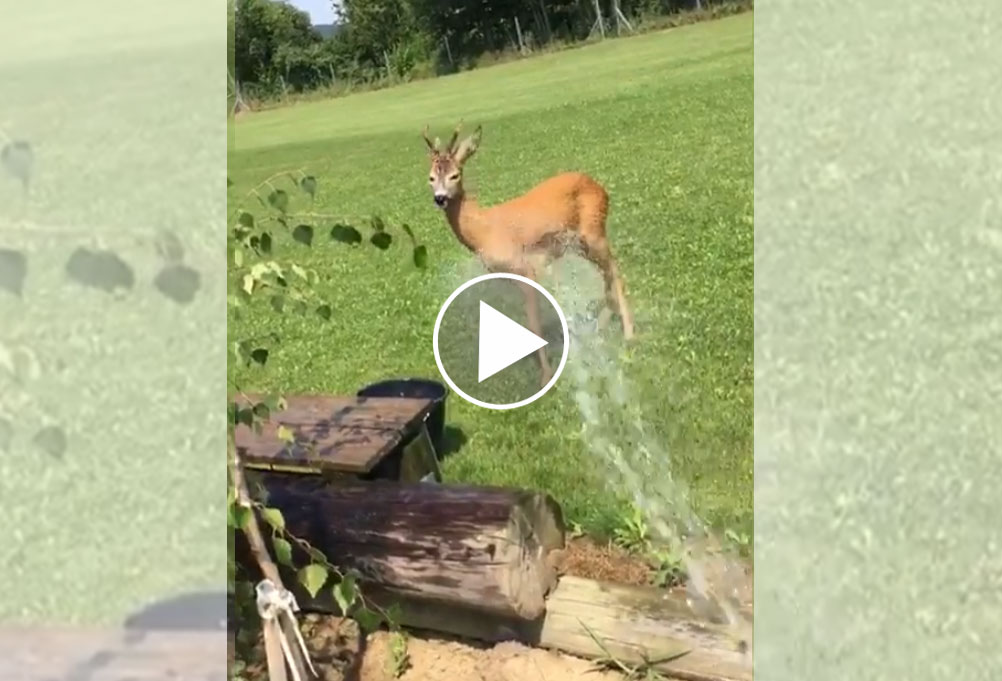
[(332, 433), (42, 653), (485, 547), (634, 624)]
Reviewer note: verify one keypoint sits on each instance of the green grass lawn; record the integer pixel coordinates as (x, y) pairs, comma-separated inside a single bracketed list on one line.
[(664, 122)]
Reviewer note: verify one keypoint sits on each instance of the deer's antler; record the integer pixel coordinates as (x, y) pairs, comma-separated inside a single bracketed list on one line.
[(431, 145), (455, 136)]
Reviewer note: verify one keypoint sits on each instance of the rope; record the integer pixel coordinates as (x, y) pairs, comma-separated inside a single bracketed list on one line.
[(272, 603)]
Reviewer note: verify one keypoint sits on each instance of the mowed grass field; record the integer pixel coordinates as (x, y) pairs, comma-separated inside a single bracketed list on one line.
[(664, 122)]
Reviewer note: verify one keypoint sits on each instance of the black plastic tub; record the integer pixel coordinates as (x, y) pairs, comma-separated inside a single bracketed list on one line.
[(417, 388)]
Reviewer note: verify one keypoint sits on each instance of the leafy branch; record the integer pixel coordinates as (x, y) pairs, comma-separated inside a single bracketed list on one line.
[(256, 274), (291, 286)]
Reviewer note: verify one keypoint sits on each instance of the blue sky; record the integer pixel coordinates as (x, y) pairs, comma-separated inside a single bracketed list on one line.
[(321, 11)]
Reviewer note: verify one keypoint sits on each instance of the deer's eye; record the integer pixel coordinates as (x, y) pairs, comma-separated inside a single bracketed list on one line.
[(431, 179), (453, 177)]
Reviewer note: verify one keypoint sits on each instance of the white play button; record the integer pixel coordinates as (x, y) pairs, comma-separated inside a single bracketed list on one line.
[(502, 342), (486, 349)]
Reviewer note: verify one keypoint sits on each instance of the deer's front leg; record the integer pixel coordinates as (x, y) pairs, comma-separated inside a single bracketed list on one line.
[(532, 312)]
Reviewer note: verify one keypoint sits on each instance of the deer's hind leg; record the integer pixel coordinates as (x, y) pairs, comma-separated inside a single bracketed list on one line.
[(597, 251)]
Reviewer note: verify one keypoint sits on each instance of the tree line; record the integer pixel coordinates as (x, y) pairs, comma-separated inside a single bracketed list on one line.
[(276, 50)]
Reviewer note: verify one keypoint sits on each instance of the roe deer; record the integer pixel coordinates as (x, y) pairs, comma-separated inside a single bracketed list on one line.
[(522, 235)]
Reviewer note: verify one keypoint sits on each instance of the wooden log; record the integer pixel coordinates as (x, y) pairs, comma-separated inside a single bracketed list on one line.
[(482, 547), (590, 619), (636, 624), (43, 653)]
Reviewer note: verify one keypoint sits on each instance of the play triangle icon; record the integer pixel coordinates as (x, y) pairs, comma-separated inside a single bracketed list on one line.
[(502, 342)]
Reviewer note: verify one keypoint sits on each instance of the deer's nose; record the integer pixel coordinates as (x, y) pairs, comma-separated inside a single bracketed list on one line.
[(440, 200)]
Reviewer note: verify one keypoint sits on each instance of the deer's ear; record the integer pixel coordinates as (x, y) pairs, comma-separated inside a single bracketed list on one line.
[(468, 146)]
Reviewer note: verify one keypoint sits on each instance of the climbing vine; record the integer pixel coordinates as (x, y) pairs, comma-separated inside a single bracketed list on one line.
[(263, 275)]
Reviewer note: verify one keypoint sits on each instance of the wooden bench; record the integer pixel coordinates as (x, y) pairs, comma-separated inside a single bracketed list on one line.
[(336, 436)]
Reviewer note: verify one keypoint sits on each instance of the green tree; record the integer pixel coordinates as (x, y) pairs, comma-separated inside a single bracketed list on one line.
[(376, 28), (262, 30)]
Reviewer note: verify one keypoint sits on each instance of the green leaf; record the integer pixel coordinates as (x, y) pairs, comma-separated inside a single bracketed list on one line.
[(241, 351), (325, 312), (264, 243), (262, 268), (244, 416), (393, 615), (273, 517), (279, 200), (378, 224), (238, 257), (368, 620), (309, 185), (313, 577), (283, 551), (286, 435), (278, 303), (381, 240), (410, 232), (345, 594), (246, 219), (303, 234), (420, 257), (274, 402), (242, 515), (346, 234), (260, 355), (261, 411), (315, 554), (248, 286)]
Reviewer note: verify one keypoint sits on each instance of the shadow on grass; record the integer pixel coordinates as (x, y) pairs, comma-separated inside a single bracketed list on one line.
[(452, 441)]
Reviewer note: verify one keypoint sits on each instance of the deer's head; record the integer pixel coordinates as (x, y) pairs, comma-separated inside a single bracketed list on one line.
[(446, 174)]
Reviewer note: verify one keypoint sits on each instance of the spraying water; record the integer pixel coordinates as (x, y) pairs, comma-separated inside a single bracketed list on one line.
[(636, 462), (632, 458)]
